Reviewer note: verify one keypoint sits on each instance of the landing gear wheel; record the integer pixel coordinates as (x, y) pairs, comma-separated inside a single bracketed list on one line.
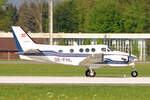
[(87, 73), (90, 73), (134, 73)]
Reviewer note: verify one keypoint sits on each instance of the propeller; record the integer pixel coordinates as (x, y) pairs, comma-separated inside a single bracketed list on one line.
[(129, 54), (130, 51)]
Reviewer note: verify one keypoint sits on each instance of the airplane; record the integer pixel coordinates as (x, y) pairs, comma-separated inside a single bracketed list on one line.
[(90, 56)]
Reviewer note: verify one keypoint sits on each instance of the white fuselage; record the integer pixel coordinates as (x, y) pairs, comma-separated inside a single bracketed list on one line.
[(73, 55), (91, 56)]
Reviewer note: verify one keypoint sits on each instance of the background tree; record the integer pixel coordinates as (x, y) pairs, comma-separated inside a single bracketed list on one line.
[(135, 50), (105, 18), (62, 42), (65, 17), (83, 8), (45, 17), (87, 42), (31, 15), (2, 2), (100, 41), (8, 16), (98, 16), (26, 19), (36, 8), (89, 16), (12, 12), (135, 17), (148, 49)]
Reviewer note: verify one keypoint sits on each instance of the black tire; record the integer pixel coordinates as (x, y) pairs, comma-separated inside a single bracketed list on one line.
[(93, 75), (134, 73), (87, 73), (90, 74)]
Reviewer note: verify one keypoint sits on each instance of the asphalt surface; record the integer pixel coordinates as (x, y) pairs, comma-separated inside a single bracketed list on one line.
[(73, 80), (70, 80), (35, 62)]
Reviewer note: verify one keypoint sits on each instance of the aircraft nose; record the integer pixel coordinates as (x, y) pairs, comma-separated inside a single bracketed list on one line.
[(133, 58), (136, 59)]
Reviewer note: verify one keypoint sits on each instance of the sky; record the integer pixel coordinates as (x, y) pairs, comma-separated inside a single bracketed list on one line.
[(17, 3)]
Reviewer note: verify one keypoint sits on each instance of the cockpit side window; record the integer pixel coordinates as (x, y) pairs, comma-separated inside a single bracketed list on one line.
[(60, 51), (103, 49)]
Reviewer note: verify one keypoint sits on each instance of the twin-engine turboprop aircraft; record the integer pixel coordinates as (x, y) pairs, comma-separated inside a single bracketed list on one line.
[(91, 56)]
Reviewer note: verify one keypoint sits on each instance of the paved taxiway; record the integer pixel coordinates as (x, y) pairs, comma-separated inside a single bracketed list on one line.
[(72, 80), (34, 62), (24, 62)]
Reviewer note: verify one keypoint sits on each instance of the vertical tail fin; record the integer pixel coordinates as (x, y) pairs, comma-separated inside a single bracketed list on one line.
[(23, 41)]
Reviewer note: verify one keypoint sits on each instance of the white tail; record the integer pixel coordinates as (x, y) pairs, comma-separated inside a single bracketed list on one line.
[(23, 41)]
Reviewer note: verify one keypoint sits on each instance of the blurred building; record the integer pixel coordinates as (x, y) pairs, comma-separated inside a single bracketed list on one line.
[(121, 42)]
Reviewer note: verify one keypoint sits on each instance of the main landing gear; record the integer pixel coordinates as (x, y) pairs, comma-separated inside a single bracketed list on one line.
[(134, 73), (90, 73)]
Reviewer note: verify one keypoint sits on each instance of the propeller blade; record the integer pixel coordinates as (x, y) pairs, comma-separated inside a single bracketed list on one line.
[(130, 51), (129, 54)]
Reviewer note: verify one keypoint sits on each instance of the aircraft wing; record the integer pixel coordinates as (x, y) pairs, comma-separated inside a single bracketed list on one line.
[(94, 60)]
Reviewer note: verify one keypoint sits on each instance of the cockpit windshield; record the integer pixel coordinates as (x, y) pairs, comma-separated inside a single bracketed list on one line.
[(110, 48)]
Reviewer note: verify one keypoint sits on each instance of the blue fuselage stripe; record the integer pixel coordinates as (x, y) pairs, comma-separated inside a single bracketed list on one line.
[(116, 62)]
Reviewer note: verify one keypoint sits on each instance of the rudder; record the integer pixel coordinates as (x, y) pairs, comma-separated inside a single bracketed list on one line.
[(23, 41)]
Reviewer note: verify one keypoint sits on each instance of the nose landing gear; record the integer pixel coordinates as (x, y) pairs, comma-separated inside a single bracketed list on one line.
[(134, 73)]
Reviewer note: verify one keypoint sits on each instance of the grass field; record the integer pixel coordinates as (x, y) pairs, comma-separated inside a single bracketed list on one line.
[(71, 92), (13, 60), (64, 70), (74, 92)]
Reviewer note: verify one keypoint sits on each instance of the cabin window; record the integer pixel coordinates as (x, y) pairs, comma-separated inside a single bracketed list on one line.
[(81, 50), (71, 50), (87, 50), (60, 51), (93, 50), (103, 49)]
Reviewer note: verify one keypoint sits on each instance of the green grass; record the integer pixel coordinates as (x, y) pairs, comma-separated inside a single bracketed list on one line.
[(13, 60), (71, 92), (74, 92), (64, 70)]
